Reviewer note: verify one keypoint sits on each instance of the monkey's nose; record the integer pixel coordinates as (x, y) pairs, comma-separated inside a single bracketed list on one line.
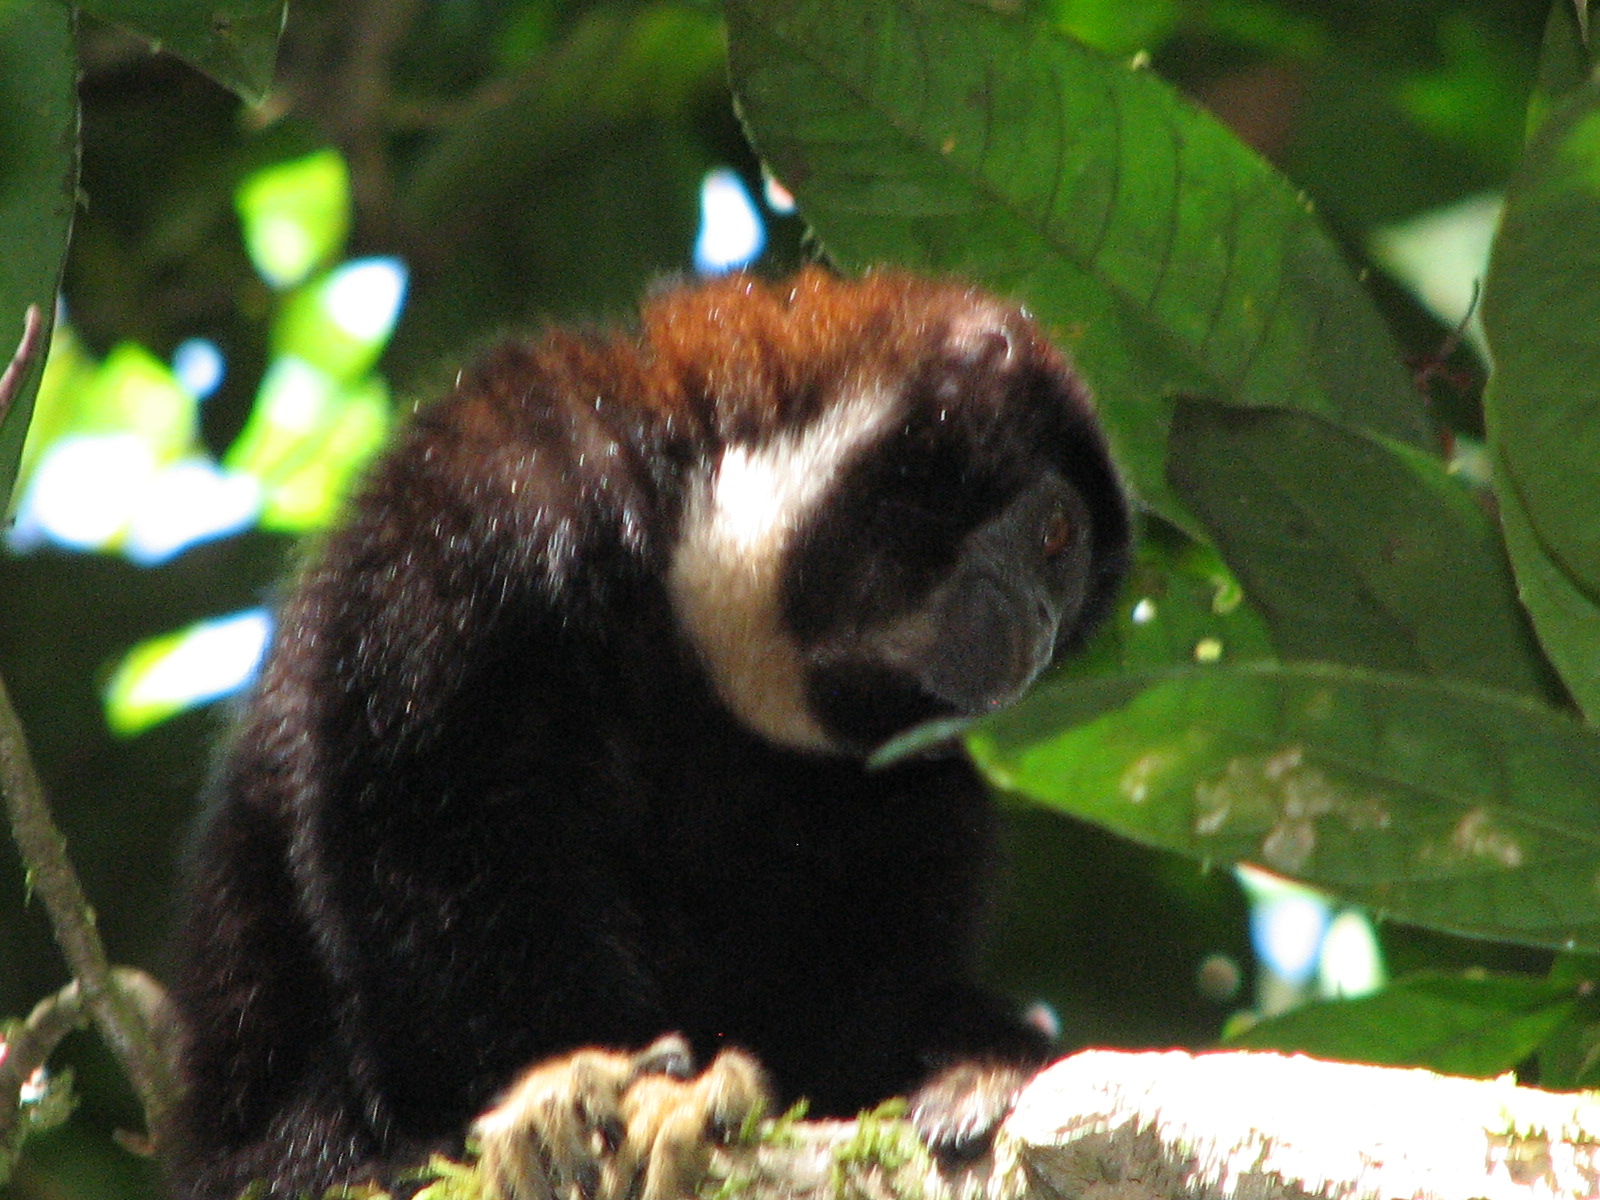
[(993, 639)]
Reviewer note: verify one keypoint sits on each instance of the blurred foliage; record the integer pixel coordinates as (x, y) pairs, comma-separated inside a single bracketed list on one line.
[(1322, 639)]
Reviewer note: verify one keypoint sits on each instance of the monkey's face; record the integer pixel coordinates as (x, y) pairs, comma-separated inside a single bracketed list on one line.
[(946, 569), (924, 545)]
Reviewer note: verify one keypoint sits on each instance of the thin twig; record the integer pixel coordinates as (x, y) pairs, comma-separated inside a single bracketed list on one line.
[(28, 351), (124, 1005), (29, 1045), (132, 1036), (378, 30), (31, 1042)]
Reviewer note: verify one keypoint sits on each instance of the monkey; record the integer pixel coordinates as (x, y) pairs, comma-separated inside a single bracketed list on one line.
[(553, 783)]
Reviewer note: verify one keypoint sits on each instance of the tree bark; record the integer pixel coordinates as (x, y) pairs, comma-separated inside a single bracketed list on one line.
[(1107, 1125)]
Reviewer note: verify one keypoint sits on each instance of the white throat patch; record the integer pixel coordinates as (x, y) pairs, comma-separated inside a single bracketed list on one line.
[(727, 571)]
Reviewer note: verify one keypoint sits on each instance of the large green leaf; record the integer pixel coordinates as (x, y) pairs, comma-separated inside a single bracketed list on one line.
[(233, 41), (1170, 258), (1356, 550), (1436, 803), (1479, 1026), (1542, 317), (38, 184), (1565, 58), (1180, 606)]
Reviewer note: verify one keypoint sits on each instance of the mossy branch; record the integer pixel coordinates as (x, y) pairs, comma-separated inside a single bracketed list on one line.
[(1108, 1125), (1243, 1125)]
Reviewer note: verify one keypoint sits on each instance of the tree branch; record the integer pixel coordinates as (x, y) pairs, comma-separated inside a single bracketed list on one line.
[(1106, 1125), (128, 1022), (125, 1006), (29, 1045)]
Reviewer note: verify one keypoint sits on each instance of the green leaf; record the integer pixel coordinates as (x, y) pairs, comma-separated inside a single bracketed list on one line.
[(1435, 803), (308, 438), (295, 215), (233, 41), (135, 392), (167, 674), (38, 185), (1570, 1057), (1180, 606), (1355, 549), (341, 322), (1116, 26), (1542, 318), (1459, 1025), (1564, 58), (1473, 97), (1161, 251)]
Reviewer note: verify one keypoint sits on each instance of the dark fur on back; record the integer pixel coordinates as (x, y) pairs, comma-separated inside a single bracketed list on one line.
[(485, 804)]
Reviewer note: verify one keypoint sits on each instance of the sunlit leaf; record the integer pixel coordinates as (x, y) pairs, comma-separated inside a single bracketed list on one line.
[(1288, 922), (83, 491), (38, 185), (135, 392), (1476, 1026), (731, 233), (309, 496), (1167, 256), (295, 216), (113, 460), (1542, 317), (164, 675), (233, 41), (292, 405), (1436, 803), (68, 376), (1351, 959), (341, 323), (107, 434), (1354, 549), (187, 502), (307, 438), (1441, 256)]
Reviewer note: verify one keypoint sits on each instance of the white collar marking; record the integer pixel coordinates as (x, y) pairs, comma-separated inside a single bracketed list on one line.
[(727, 571)]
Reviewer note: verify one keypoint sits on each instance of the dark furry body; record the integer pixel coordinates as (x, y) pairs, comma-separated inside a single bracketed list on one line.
[(485, 805)]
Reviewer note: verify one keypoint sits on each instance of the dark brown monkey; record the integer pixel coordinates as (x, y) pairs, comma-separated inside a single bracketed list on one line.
[(560, 743)]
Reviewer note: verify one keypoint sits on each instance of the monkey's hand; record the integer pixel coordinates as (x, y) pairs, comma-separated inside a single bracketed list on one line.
[(601, 1125)]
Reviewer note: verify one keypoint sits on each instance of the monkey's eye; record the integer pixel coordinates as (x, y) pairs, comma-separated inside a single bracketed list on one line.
[(1057, 534)]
